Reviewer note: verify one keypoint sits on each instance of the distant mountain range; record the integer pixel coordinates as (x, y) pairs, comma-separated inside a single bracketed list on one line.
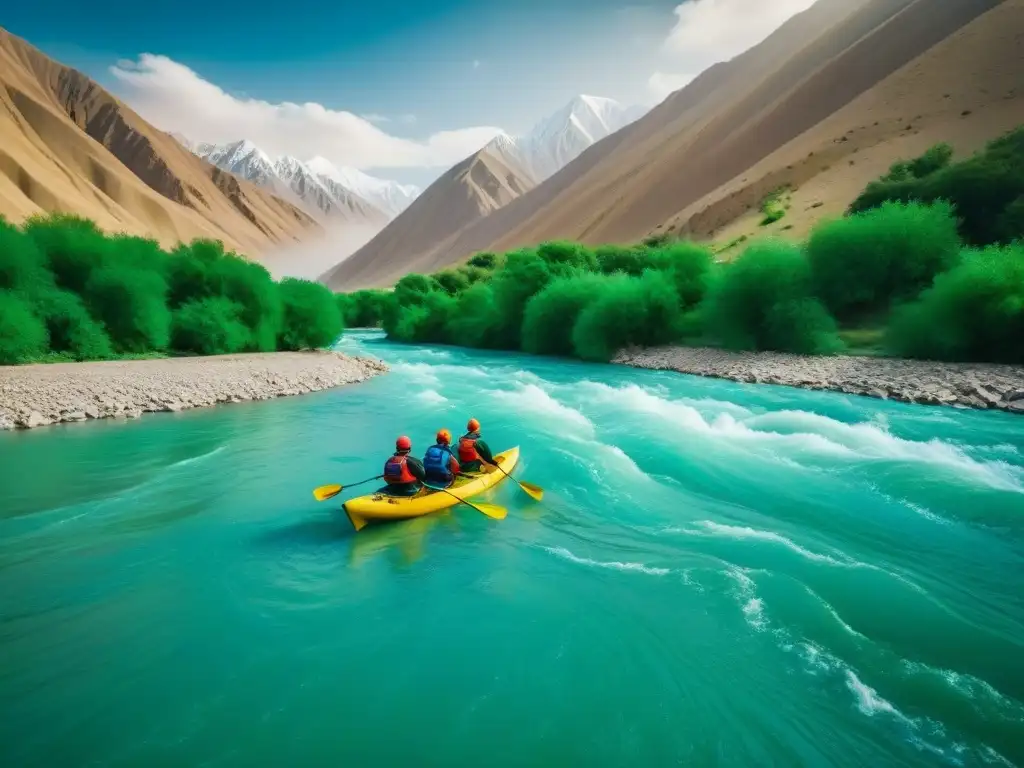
[(326, 192)]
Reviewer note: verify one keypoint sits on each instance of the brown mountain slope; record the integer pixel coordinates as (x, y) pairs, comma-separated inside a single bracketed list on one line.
[(964, 91), (68, 145), (641, 184), (471, 190)]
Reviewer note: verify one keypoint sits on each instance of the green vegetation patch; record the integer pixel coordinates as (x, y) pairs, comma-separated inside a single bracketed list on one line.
[(70, 292)]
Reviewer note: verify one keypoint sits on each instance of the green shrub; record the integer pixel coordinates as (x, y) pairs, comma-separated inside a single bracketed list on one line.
[(1010, 226), (23, 267), (974, 312), (550, 315), (484, 260), (452, 281), (427, 322), (475, 318), (132, 305), (73, 247), (362, 309), (688, 266), (763, 301), (625, 311), (70, 327), (863, 263), (980, 188), (627, 259), (210, 326), (250, 286), (311, 318), (525, 274), (564, 257), (772, 208), (22, 334)]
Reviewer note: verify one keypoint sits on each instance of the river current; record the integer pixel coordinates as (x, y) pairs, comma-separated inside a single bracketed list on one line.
[(720, 574)]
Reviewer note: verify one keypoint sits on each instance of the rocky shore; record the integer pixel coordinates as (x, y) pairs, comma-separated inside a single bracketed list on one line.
[(961, 385), (38, 395)]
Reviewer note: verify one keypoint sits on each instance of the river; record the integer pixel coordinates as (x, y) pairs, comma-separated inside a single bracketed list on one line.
[(720, 574)]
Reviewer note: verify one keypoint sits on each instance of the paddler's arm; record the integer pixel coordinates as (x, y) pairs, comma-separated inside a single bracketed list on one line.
[(416, 467), (484, 451)]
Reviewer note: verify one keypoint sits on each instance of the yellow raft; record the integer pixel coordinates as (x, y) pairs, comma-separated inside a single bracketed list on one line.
[(383, 506)]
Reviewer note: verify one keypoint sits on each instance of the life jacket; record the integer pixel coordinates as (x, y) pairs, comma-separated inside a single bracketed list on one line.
[(435, 460), (467, 448), (396, 471)]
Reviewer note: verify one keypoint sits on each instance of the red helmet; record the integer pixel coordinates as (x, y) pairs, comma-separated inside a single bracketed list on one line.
[(403, 443), (473, 425), (444, 436)]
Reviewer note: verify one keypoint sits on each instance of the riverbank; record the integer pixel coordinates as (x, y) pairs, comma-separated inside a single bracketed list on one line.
[(974, 385), (39, 395)]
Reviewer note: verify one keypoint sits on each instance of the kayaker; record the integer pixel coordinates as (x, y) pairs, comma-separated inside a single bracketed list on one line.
[(473, 451), (439, 462), (404, 473)]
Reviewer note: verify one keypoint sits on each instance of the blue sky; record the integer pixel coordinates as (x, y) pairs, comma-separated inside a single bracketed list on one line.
[(411, 68)]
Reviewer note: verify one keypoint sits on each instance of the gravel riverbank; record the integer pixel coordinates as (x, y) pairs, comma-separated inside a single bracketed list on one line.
[(38, 395), (913, 381)]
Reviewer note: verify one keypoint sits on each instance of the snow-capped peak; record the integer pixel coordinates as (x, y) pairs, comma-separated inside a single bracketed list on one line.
[(560, 138), (389, 196)]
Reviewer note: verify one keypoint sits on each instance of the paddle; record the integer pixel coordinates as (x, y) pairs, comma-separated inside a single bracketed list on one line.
[(325, 492), (533, 491), (491, 510)]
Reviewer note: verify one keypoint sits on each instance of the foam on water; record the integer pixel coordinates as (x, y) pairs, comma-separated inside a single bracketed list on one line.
[(565, 554), (711, 528), (535, 404)]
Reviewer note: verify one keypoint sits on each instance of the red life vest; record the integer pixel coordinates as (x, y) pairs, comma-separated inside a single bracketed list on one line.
[(396, 471), (467, 449)]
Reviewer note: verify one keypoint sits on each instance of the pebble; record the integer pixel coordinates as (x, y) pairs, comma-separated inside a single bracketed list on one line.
[(37, 395), (972, 385)]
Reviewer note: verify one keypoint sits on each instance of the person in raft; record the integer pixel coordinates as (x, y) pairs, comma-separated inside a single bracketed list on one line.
[(403, 473), (473, 451), (439, 462)]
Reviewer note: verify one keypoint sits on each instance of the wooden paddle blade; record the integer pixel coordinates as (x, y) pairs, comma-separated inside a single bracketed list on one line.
[(535, 491), (491, 510), (325, 492)]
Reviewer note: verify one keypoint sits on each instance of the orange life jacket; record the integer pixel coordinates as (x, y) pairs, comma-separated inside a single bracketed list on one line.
[(467, 449), (396, 470)]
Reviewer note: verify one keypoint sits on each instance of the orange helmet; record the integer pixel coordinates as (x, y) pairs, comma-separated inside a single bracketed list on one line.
[(473, 425), (444, 436), (403, 443)]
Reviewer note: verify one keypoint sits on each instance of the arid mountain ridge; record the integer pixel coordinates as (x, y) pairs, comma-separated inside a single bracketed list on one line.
[(66, 144)]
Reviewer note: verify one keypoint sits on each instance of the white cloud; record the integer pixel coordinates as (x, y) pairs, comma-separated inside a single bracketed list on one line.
[(709, 31), (174, 98), (476, 63), (373, 117)]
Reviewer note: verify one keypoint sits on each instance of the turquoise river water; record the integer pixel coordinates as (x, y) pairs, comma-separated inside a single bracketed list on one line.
[(719, 575)]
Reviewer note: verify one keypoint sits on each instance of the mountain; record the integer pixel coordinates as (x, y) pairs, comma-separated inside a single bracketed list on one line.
[(292, 180), (560, 138), (483, 183), (823, 105), (389, 196), (479, 185), (68, 145)]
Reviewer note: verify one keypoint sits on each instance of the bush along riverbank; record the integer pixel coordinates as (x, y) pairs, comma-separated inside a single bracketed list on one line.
[(927, 264), (69, 292)]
